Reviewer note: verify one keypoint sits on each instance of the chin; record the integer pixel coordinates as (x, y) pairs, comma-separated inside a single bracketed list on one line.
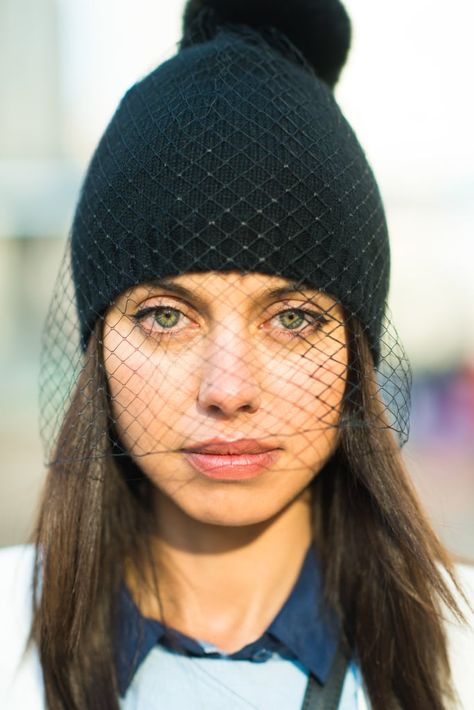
[(230, 520), (228, 512)]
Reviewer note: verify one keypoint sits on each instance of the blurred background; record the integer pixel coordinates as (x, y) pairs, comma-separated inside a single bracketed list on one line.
[(407, 91)]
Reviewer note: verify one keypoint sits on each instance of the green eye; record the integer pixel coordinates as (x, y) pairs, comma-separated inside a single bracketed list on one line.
[(300, 320), (292, 319), (166, 317), (162, 320)]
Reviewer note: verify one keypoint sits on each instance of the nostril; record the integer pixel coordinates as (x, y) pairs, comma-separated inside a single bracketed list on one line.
[(229, 408), (218, 402), (214, 409)]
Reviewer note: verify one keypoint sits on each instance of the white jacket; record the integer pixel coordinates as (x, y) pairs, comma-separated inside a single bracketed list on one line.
[(21, 681)]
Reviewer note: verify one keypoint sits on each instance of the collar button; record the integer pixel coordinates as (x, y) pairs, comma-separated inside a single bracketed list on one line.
[(262, 655)]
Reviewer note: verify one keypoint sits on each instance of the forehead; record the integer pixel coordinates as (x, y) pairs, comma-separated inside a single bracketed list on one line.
[(216, 285)]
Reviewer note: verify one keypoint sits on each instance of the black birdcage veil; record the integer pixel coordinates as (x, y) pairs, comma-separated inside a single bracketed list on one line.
[(227, 272), (307, 329)]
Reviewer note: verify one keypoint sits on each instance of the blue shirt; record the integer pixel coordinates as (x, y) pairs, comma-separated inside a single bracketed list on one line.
[(304, 630)]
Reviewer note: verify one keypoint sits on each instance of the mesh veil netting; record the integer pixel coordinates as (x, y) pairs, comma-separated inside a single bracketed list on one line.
[(304, 327), (168, 325)]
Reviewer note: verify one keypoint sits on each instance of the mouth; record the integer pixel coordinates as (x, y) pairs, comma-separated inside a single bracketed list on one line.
[(232, 460), (230, 448)]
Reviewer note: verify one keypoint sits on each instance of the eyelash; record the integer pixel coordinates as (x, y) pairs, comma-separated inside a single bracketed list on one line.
[(314, 319)]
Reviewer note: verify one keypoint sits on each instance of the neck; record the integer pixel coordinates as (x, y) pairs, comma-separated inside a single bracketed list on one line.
[(225, 584)]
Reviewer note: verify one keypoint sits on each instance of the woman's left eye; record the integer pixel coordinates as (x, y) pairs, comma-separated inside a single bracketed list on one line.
[(293, 319)]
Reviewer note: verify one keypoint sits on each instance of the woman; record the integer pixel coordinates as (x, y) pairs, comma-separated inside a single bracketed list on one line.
[(226, 520)]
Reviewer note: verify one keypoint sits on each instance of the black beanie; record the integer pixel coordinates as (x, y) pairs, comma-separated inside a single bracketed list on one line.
[(233, 155)]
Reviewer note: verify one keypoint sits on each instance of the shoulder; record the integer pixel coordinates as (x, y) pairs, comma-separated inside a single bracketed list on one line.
[(465, 577), (15, 561), (16, 575), (461, 639), (20, 672)]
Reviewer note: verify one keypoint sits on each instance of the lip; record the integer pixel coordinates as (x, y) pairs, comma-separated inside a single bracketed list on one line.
[(237, 446), (232, 460)]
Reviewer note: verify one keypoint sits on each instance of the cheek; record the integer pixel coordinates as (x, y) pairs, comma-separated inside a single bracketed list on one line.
[(311, 389), (149, 393)]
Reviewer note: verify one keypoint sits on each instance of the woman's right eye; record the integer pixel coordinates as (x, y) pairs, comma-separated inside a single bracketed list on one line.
[(161, 319)]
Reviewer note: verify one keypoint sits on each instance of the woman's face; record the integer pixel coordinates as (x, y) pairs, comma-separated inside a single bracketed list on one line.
[(225, 357)]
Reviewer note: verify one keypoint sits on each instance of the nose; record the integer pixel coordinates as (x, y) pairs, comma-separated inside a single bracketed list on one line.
[(228, 381)]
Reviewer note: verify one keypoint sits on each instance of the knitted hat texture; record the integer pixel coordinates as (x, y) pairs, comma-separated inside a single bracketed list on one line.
[(234, 155)]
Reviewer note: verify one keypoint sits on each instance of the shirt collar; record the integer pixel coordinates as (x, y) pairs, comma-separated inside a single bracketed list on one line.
[(303, 628), (304, 624)]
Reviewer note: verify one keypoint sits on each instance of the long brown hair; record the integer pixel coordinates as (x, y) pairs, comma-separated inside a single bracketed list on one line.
[(384, 568)]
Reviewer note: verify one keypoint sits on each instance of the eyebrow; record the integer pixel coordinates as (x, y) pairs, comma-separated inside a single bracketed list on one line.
[(280, 292)]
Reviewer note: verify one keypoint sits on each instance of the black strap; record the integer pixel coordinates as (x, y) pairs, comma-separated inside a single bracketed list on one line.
[(327, 696)]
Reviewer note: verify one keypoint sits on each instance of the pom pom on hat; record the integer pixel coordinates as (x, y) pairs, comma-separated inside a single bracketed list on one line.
[(319, 29)]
